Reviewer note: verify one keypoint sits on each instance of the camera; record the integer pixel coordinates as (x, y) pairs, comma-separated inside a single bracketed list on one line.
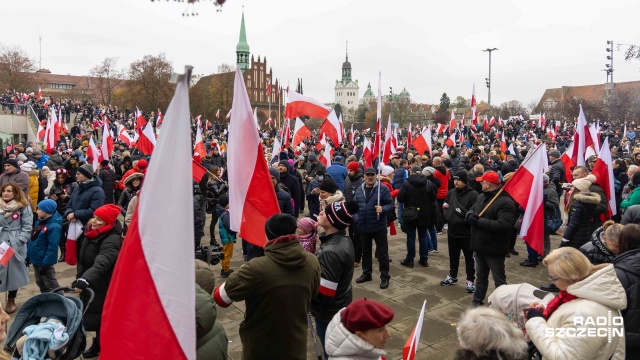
[(210, 254)]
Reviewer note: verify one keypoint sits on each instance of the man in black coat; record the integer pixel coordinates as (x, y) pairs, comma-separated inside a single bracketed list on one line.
[(288, 179), (419, 193), (108, 178), (490, 234), (353, 181), (217, 159), (457, 203)]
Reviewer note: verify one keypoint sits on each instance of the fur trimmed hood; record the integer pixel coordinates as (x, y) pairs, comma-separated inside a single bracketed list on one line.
[(588, 198)]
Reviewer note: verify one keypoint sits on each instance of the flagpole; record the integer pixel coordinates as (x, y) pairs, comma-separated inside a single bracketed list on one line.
[(269, 117)]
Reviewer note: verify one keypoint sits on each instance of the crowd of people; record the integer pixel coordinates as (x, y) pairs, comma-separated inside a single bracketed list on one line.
[(323, 240)]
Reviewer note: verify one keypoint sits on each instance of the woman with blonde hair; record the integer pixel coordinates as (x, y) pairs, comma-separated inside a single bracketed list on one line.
[(485, 333), (569, 326), (603, 246), (15, 231)]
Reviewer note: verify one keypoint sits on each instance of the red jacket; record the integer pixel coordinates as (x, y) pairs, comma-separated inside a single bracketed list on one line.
[(444, 182)]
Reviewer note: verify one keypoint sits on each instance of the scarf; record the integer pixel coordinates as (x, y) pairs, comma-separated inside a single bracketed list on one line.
[(7, 209), (562, 297), (94, 233)]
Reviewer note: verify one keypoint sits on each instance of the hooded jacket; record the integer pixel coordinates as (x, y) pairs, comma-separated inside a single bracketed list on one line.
[(342, 344), (599, 296), (85, 199), (43, 251), (443, 175), (108, 178), (211, 339), (627, 267), (459, 201), (277, 289), (557, 174), (582, 214), (596, 251), (419, 192), (339, 174)]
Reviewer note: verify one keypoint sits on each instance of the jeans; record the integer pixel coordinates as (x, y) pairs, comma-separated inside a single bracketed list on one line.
[(321, 331), (484, 264), (382, 246), (45, 278), (422, 241), (455, 246), (354, 235), (432, 238)]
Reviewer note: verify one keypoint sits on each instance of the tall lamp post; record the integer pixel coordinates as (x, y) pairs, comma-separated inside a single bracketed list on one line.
[(489, 78)]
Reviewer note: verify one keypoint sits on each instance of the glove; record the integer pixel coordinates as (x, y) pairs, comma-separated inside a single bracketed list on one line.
[(533, 313), (81, 284), (473, 219)]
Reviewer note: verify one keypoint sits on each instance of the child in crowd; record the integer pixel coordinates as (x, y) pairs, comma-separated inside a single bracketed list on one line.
[(227, 237), (308, 234)]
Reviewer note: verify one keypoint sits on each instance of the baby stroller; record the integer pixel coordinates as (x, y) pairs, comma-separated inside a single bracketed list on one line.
[(68, 310)]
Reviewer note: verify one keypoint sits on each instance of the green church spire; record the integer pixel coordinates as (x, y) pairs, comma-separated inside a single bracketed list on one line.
[(242, 49)]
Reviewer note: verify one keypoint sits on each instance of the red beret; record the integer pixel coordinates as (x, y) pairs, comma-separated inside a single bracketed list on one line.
[(363, 315), (108, 213), (353, 166)]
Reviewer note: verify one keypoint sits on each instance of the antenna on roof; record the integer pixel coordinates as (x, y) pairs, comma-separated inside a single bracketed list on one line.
[(40, 39)]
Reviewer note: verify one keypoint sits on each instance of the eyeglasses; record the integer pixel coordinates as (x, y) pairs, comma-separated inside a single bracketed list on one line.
[(553, 280)]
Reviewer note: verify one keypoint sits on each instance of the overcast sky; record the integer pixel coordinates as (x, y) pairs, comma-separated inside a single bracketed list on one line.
[(427, 47)]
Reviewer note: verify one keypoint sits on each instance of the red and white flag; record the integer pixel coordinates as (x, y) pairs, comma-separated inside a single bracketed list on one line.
[(147, 139), (6, 253), (367, 153), (503, 143), (268, 90), (41, 130), (451, 140), (331, 127), (452, 123), (441, 129), (228, 114), (286, 133), (409, 137), (511, 150), (582, 139), (299, 105), (603, 170), (198, 147), (39, 94), (269, 121), (123, 135), (158, 249), (474, 110), (107, 141), (378, 138), (160, 118), (277, 146), (218, 114), (411, 347), (252, 199), (423, 142), (300, 132), (526, 188), (568, 163), (94, 154), (388, 147), (325, 158)]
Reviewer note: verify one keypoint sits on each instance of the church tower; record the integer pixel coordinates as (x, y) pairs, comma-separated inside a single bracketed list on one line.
[(242, 49), (346, 90)]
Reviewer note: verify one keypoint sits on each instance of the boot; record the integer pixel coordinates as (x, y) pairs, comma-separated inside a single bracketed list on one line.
[(61, 259), (11, 306), (94, 350)]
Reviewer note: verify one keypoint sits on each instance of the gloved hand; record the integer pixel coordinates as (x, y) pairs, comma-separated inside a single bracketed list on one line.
[(80, 284), (27, 262), (473, 219), (533, 313)]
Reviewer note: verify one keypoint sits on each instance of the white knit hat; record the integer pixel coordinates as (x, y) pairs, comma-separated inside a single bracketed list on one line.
[(583, 184)]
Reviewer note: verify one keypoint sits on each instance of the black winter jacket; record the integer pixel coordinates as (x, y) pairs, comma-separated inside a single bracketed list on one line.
[(96, 261), (108, 177), (351, 184), (291, 182), (336, 257), (399, 176), (85, 199), (492, 234), (627, 267), (601, 208), (218, 161), (596, 251), (459, 201), (284, 200), (557, 174), (419, 192), (367, 220), (55, 162), (582, 214)]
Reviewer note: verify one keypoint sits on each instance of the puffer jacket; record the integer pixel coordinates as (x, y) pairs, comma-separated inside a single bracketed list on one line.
[(581, 216), (351, 184), (55, 162), (96, 262), (601, 209), (284, 200), (367, 220), (336, 257), (632, 199), (314, 199), (34, 187), (108, 178), (627, 267), (557, 174), (599, 296), (43, 250), (291, 182), (551, 201), (459, 201), (492, 234), (596, 251), (419, 192), (342, 344), (85, 199), (399, 176), (443, 175), (339, 173)]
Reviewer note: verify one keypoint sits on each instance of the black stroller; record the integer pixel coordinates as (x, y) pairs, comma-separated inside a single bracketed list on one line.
[(67, 309)]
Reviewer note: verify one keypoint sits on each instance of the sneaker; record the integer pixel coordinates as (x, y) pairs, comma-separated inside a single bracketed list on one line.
[(433, 251), (448, 281), (445, 227), (470, 287)]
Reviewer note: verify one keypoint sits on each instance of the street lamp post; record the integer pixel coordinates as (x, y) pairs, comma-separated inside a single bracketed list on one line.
[(489, 78)]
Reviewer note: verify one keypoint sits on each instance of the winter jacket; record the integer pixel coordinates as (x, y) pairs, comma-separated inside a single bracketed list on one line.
[(627, 267), (631, 215), (492, 234), (59, 189), (34, 187), (351, 184), (459, 201), (108, 178), (473, 183), (557, 174), (551, 201), (211, 339), (43, 182), (596, 251), (284, 200), (218, 160), (277, 289), (55, 162), (342, 344), (632, 199), (581, 215), (18, 176), (443, 175), (599, 296), (419, 192), (601, 209), (43, 250), (292, 183), (15, 230), (367, 220), (399, 176), (224, 226), (129, 192), (96, 261), (339, 174), (336, 257), (85, 199), (42, 161), (314, 199)]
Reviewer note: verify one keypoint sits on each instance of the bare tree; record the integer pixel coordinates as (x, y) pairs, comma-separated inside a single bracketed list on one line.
[(148, 86), (107, 78), (532, 106), (16, 69)]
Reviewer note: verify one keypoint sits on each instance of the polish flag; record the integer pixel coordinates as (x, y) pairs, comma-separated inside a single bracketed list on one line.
[(503, 143), (342, 134), (147, 139), (218, 114), (582, 139), (41, 130), (158, 249), (423, 142), (299, 105), (300, 132), (411, 347), (268, 90), (141, 121), (199, 143), (56, 126), (331, 126), (474, 110), (123, 135), (228, 115), (277, 146), (452, 122), (451, 140), (252, 199), (160, 118), (388, 148), (287, 134), (409, 136), (441, 129), (367, 153), (7, 252), (49, 136), (326, 155), (512, 151), (94, 154), (269, 121), (328, 288), (485, 124), (526, 188), (39, 94), (595, 138), (541, 122), (603, 170), (107, 141)]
